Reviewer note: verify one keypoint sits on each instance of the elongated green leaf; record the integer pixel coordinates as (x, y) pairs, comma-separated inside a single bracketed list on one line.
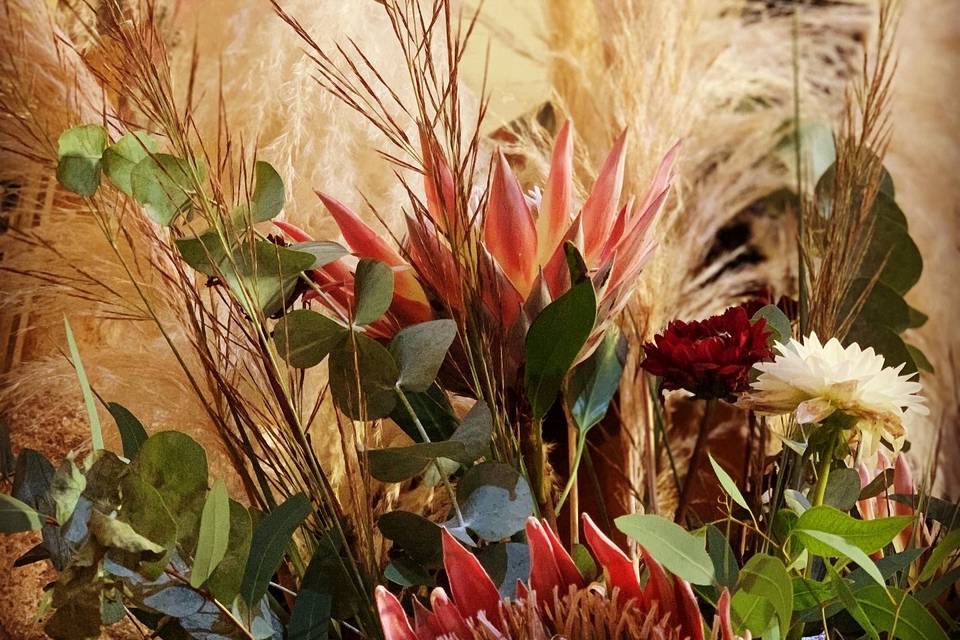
[(729, 485), (96, 433), (724, 561), (214, 534), (830, 545), (270, 540), (594, 382), (416, 535), (944, 549), (78, 158), (162, 184), (16, 516), (268, 193), (373, 287), (845, 593), (117, 534), (899, 614), (420, 350), (304, 338), (763, 578), (310, 618), (132, 433), (363, 376), (680, 552), (122, 156), (224, 582), (553, 342), (867, 535)]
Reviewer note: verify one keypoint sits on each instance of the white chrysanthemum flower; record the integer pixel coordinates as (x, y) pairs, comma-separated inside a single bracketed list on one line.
[(813, 381)]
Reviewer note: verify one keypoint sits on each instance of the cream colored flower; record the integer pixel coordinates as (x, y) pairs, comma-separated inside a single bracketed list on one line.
[(813, 381)]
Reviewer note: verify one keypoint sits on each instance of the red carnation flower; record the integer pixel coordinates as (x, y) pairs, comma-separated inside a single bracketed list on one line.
[(710, 358)]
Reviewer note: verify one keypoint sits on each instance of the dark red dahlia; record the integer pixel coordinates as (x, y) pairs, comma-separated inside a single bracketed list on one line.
[(710, 358)]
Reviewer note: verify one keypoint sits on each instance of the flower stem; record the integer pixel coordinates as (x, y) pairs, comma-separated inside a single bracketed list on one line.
[(695, 459), (823, 473)]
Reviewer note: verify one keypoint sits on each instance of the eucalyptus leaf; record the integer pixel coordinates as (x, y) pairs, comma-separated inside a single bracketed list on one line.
[(213, 538), (776, 322), (363, 376), (397, 464), (17, 516), (132, 433), (116, 534), (724, 561), (162, 184), (79, 155), (495, 501), (417, 536), (264, 276), (843, 489), (830, 545), (729, 485), (327, 573), (680, 552), (373, 290), (419, 351), (122, 156), (304, 338), (145, 511), (269, 543), (310, 618), (434, 412), (506, 563), (65, 489), (176, 466), (553, 342), (474, 431), (268, 194), (96, 433), (323, 251)]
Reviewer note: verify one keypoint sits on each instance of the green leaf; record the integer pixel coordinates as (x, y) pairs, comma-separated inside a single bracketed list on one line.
[(132, 433), (397, 464), (224, 582), (830, 545), (434, 412), (763, 589), (899, 614), (327, 573), (16, 516), (145, 511), (78, 158), (495, 501), (878, 485), (680, 552), (474, 431), (553, 343), (595, 381), (867, 535), (724, 561), (843, 489), (270, 540), (882, 306), (729, 485), (264, 277), (920, 359), (65, 489), (116, 534), (944, 549), (162, 184), (268, 196), (176, 466), (420, 350), (310, 618), (373, 288), (363, 376), (416, 535), (892, 252), (506, 563), (214, 534), (586, 565), (96, 434), (323, 251), (808, 593), (777, 323), (885, 342), (845, 593), (122, 156), (304, 338)]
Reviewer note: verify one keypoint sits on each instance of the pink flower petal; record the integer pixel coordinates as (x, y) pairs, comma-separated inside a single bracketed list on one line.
[(392, 617), (619, 569), (436, 172), (472, 588), (601, 207), (449, 617), (508, 228), (554, 215), (544, 573)]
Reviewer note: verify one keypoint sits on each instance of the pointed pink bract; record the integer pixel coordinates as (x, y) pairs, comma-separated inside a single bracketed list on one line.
[(554, 216), (601, 207), (392, 617), (472, 588), (508, 229)]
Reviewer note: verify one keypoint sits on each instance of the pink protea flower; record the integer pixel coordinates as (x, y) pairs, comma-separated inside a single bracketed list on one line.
[(517, 240), (555, 595), (881, 506)]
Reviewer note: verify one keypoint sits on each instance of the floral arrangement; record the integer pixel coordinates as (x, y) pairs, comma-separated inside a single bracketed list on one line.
[(473, 366)]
